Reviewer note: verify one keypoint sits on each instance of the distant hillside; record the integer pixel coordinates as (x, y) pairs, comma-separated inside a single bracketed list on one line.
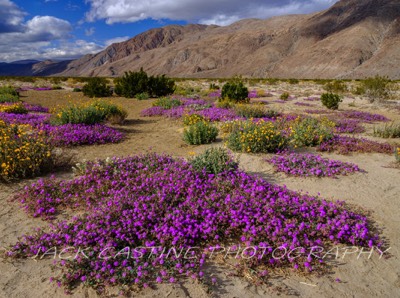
[(352, 39)]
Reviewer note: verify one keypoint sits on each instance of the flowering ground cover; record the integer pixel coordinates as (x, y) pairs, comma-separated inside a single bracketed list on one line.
[(363, 116), (155, 201), (308, 164), (346, 145)]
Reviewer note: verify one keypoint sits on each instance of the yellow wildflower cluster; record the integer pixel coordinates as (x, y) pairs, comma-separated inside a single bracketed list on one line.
[(256, 137), (17, 108), (23, 151), (193, 119), (397, 154), (311, 131)]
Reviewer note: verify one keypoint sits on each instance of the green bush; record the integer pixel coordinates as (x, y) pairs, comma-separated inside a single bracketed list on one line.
[(8, 98), (336, 86), (250, 111), (160, 86), (331, 100), (293, 81), (388, 131), (284, 96), (97, 87), (142, 96), (311, 132), (167, 103), (376, 88), (235, 91), (133, 83), (77, 90), (200, 133), (214, 161), (94, 112), (224, 103), (260, 137), (8, 90)]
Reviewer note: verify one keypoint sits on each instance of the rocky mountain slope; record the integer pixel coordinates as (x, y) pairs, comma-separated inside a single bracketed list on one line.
[(352, 39)]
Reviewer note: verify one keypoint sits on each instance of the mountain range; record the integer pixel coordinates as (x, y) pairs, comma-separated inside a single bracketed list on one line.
[(351, 39)]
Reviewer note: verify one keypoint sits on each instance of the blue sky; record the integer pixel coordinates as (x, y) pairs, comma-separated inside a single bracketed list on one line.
[(68, 29)]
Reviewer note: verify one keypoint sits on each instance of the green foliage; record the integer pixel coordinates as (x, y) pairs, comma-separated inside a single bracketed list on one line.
[(284, 96), (8, 98), (214, 161), (224, 103), (77, 90), (214, 86), (97, 87), (167, 103), (331, 100), (260, 137), (9, 91), (235, 91), (133, 83), (293, 81), (336, 86), (376, 88), (391, 130), (311, 132), (250, 110), (142, 96), (94, 112), (200, 133)]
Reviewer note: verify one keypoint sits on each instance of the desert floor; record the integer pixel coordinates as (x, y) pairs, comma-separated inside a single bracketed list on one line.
[(376, 191)]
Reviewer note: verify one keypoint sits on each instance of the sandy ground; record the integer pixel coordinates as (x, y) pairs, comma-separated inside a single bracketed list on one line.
[(376, 191)]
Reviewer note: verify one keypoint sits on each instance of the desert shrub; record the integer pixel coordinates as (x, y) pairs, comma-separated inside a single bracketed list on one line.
[(8, 98), (192, 119), (336, 86), (391, 130), (293, 81), (17, 108), (9, 90), (311, 132), (224, 103), (142, 96), (91, 113), (214, 86), (331, 100), (358, 90), (160, 86), (284, 96), (250, 111), (167, 103), (376, 88), (77, 89), (24, 152), (56, 87), (214, 161), (97, 87), (235, 91), (260, 137), (200, 133), (133, 83)]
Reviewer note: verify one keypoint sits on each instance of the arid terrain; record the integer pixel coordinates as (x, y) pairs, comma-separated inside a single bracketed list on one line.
[(375, 191)]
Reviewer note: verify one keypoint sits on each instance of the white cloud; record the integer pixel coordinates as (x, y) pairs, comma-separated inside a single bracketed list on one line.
[(220, 12), (90, 31), (49, 50), (116, 40), (41, 37), (11, 17)]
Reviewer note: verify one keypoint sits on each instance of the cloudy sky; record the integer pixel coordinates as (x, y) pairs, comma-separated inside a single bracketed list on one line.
[(67, 29)]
